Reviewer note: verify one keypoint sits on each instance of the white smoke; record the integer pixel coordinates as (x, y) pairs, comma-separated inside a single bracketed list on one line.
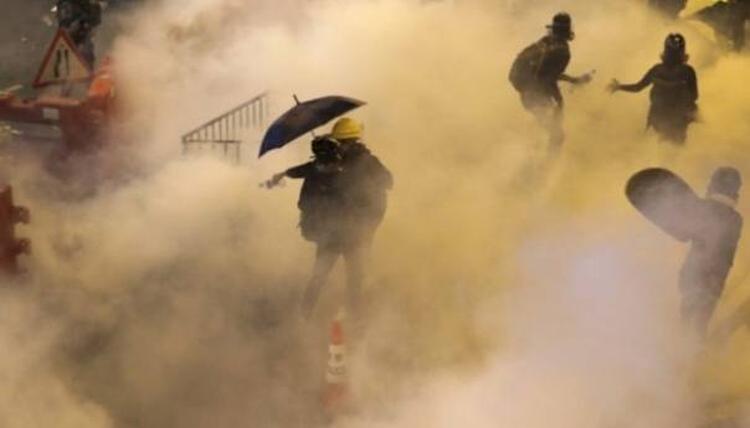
[(506, 288)]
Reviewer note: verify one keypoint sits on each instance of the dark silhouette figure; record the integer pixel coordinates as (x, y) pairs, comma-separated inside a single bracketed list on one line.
[(713, 245), (674, 91), (342, 203), (728, 20), (536, 72), (79, 18), (669, 8), (710, 224)]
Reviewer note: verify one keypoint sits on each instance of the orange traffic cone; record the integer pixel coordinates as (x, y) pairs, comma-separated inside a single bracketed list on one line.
[(336, 392)]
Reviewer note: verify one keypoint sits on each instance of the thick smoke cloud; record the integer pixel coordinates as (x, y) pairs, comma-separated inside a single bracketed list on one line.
[(502, 282)]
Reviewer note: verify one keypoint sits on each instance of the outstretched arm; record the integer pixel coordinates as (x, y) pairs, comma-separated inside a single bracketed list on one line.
[(576, 80), (299, 171), (633, 87)]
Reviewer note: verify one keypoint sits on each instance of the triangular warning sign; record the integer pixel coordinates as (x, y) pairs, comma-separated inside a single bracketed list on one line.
[(62, 63)]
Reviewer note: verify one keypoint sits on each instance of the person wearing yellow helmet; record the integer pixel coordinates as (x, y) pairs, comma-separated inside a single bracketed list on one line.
[(362, 185), (342, 203), (366, 179), (347, 129)]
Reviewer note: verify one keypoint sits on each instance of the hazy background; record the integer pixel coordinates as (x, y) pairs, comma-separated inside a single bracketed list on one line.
[(506, 287)]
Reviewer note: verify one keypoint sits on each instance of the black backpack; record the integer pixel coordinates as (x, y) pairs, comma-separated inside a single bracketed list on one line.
[(523, 72)]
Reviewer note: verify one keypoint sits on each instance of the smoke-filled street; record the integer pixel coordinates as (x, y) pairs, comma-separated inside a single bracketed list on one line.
[(374, 213)]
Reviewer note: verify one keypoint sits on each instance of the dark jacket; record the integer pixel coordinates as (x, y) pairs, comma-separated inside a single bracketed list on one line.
[(674, 86), (673, 97), (320, 201), (342, 203), (365, 183), (539, 67)]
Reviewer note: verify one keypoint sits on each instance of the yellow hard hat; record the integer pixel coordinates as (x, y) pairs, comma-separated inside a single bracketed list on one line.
[(346, 129)]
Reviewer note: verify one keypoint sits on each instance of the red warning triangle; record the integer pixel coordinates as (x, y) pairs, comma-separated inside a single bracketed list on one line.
[(62, 63)]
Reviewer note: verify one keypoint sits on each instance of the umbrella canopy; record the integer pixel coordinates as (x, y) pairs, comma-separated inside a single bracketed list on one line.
[(305, 117)]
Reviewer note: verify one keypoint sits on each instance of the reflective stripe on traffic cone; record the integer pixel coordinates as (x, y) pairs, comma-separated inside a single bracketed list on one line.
[(336, 392)]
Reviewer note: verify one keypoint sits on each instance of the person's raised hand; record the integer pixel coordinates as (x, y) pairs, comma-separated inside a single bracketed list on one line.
[(613, 86)]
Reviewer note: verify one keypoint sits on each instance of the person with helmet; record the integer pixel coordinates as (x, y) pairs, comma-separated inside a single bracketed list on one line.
[(342, 202), (714, 242), (674, 92), (669, 8), (536, 71), (366, 179), (365, 182)]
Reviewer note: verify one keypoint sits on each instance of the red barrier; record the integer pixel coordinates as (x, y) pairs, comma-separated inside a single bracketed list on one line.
[(82, 122), (10, 246)]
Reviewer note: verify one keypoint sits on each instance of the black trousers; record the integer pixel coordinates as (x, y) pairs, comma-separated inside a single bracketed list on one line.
[(544, 108), (327, 254)]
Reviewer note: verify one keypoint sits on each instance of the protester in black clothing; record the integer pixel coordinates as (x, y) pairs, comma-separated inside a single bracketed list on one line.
[(365, 185), (536, 72), (674, 92), (342, 202)]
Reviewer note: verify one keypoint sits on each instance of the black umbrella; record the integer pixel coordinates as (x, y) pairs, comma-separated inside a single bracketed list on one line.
[(303, 118)]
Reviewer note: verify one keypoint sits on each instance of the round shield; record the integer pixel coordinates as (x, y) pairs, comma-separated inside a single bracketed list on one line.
[(666, 200)]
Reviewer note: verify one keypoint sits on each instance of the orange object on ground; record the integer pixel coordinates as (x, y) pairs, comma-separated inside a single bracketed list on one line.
[(102, 89), (336, 394)]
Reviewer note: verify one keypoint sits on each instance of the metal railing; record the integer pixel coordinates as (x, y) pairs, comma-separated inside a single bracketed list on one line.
[(225, 132)]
